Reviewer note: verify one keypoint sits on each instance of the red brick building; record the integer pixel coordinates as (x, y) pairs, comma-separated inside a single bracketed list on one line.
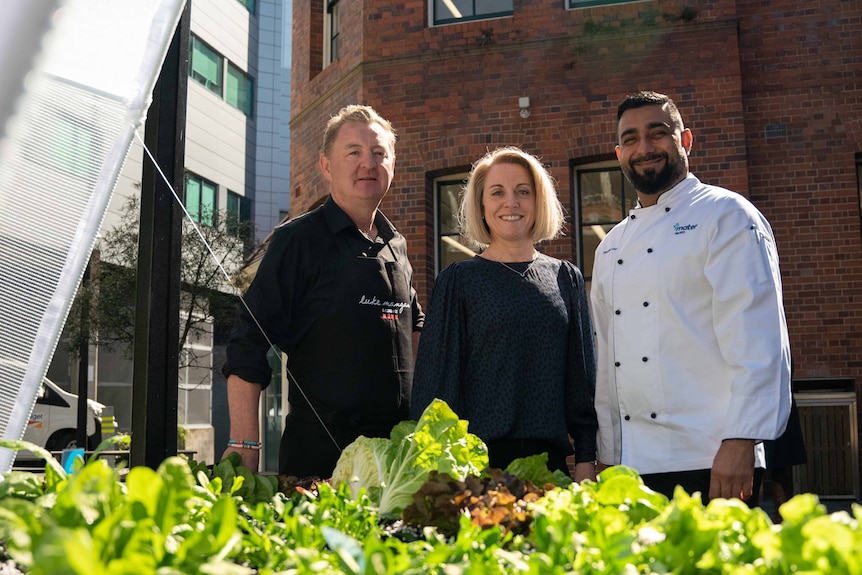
[(772, 90)]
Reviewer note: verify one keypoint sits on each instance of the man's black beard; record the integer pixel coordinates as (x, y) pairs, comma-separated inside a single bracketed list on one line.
[(652, 182)]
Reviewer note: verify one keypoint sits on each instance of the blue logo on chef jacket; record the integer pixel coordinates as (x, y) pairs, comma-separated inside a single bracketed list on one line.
[(390, 310), (679, 229)]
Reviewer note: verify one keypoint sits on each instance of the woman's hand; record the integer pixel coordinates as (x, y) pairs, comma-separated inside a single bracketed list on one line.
[(585, 470)]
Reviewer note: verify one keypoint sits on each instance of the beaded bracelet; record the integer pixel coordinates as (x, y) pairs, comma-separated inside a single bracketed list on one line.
[(245, 444)]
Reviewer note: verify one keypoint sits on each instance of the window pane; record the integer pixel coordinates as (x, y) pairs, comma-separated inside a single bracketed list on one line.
[(448, 11), (592, 235), (572, 4), (452, 9), (199, 406), (206, 66), (601, 196), (208, 203), (201, 199), (238, 213), (492, 7), (449, 195), (238, 89), (273, 413), (232, 209), (248, 4), (604, 198), (334, 31), (859, 181), (193, 197), (451, 247), (232, 205), (75, 144)]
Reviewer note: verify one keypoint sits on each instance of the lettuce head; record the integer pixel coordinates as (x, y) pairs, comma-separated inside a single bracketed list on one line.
[(392, 470), (363, 464)]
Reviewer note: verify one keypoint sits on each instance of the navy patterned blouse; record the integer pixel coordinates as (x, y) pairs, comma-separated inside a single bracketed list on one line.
[(510, 348)]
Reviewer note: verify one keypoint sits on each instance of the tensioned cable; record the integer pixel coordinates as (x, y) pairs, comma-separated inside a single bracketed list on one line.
[(230, 281)]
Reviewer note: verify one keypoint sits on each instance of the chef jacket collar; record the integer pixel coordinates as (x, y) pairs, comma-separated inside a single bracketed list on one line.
[(666, 198)]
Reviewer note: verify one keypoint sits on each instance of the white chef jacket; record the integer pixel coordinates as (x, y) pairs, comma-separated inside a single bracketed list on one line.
[(691, 335)]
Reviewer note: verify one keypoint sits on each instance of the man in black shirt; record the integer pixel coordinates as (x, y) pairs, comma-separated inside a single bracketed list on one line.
[(334, 292)]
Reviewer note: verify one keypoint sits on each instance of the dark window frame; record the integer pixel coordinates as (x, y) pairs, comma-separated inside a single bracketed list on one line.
[(439, 184), (859, 182), (333, 38), (627, 195)]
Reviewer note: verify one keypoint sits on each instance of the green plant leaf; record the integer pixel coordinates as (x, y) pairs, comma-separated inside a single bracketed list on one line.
[(50, 461)]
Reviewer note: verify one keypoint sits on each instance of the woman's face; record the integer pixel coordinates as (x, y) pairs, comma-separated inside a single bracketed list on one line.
[(509, 203)]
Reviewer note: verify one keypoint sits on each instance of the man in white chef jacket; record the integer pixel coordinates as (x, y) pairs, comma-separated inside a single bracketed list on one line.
[(693, 350)]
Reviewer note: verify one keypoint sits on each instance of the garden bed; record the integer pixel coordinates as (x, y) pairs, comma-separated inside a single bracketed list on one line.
[(186, 517)]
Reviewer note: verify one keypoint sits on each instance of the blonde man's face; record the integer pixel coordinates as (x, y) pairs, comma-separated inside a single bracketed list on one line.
[(361, 164)]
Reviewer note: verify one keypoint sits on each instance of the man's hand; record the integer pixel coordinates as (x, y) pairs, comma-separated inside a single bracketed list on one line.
[(733, 470), (243, 401), (250, 457)]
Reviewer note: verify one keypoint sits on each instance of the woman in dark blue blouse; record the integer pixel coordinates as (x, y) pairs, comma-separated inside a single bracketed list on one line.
[(508, 340)]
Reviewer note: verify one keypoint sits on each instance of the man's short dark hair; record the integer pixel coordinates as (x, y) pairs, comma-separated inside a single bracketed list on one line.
[(649, 98)]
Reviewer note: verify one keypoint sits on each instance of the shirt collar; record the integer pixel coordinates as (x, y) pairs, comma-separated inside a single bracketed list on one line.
[(338, 220), (682, 188)]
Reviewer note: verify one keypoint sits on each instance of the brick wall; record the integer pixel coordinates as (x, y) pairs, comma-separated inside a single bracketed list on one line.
[(733, 66), (800, 73)]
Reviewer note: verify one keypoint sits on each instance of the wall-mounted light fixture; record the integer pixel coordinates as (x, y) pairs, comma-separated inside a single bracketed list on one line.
[(524, 104)]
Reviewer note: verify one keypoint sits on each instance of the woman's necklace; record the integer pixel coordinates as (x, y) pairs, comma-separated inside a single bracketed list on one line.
[(523, 273)]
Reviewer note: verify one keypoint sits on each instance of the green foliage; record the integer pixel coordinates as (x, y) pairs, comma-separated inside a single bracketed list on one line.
[(363, 465), (187, 517), (237, 480), (208, 253), (392, 470), (535, 468), (95, 522)]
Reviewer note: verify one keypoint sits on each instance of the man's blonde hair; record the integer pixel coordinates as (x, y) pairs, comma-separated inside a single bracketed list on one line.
[(549, 211), (354, 113)]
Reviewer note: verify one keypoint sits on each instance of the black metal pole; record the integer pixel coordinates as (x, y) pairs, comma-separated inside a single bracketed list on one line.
[(156, 372), (84, 361)]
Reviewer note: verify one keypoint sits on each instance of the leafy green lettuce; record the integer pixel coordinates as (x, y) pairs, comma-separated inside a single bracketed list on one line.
[(392, 470), (363, 464), (535, 468)]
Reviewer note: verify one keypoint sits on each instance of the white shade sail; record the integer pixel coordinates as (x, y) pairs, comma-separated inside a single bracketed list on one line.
[(78, 79)]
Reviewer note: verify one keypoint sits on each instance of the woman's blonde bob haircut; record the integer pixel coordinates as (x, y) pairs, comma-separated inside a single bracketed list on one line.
[(549, 211)]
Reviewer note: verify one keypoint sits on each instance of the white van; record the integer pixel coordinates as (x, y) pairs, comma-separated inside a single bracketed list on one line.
[(54, 420)]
